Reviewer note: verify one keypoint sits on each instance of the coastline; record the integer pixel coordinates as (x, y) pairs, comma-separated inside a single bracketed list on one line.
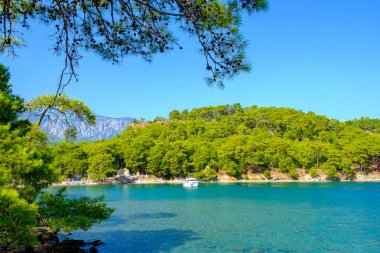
[(180, 181)]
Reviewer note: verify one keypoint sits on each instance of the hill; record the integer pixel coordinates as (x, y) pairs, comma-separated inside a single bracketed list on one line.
[(236, 141)]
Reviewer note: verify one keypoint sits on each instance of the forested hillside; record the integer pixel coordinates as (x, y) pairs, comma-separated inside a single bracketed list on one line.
[(230, 139)]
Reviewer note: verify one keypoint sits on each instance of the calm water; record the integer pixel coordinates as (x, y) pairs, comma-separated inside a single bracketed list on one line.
[(277, 217)]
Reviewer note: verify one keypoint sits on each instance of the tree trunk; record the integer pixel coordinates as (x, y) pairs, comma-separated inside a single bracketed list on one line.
[(317, 161)]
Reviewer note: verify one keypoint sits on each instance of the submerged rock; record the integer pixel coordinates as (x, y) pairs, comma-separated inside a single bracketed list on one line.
[(96, 243), (93, 250), (66, 246)]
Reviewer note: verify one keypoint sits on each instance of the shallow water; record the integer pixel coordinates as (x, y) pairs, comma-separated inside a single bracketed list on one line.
[(260, 218)]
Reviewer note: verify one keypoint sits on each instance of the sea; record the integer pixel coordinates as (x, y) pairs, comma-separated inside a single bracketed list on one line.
[(238, 217)]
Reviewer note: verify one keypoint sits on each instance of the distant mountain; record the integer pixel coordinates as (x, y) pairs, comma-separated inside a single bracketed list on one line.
[(105, 128)]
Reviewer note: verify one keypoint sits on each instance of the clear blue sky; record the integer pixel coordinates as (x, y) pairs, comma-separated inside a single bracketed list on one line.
[(312, 55)]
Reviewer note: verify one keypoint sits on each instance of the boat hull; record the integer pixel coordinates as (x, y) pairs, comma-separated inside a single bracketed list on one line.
[(191, 184)]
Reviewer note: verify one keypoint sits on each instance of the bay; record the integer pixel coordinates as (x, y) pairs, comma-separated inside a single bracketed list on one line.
[(241, 217)]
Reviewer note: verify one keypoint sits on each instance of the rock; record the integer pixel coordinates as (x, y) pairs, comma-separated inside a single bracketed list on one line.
[(105, 127), (93, 250), (48, 243), (62, 248), (3, 248), (74, 243), (69, 246), (127, 173), (97, 243), (45, 234), (44, 248)]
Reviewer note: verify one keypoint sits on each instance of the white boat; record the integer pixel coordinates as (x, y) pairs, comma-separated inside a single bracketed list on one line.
[(191, 182)]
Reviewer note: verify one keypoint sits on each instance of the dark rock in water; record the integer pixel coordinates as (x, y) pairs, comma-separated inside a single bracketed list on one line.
[(75, 243), (68, 249), (67, 246), (97, 243), (48, 242), (93, 250)]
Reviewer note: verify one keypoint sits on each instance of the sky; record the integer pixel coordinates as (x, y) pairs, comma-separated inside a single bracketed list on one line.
[(311, 55)]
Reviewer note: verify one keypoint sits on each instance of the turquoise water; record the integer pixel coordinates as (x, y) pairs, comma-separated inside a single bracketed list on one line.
[(265, 217)]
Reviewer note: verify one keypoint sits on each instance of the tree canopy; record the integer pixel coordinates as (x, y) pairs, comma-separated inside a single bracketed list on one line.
[(117, 28), (11, 104), (56, 107), (237, 140)]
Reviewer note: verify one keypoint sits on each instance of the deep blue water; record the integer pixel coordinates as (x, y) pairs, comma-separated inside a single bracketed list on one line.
[(260, 218)]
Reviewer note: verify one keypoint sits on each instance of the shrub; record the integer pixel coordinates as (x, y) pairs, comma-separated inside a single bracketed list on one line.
[(313, 173), (348, 171), (332, 174), (267, 174), (293, 174)]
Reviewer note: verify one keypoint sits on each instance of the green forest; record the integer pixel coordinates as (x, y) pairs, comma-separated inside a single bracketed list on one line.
[(230, 139)]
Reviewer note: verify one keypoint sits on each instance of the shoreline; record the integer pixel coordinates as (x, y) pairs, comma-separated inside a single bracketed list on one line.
[(180, 181), (125, 177)]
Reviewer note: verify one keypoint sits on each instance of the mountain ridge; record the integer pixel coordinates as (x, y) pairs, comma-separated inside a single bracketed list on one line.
[(105, 127)]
